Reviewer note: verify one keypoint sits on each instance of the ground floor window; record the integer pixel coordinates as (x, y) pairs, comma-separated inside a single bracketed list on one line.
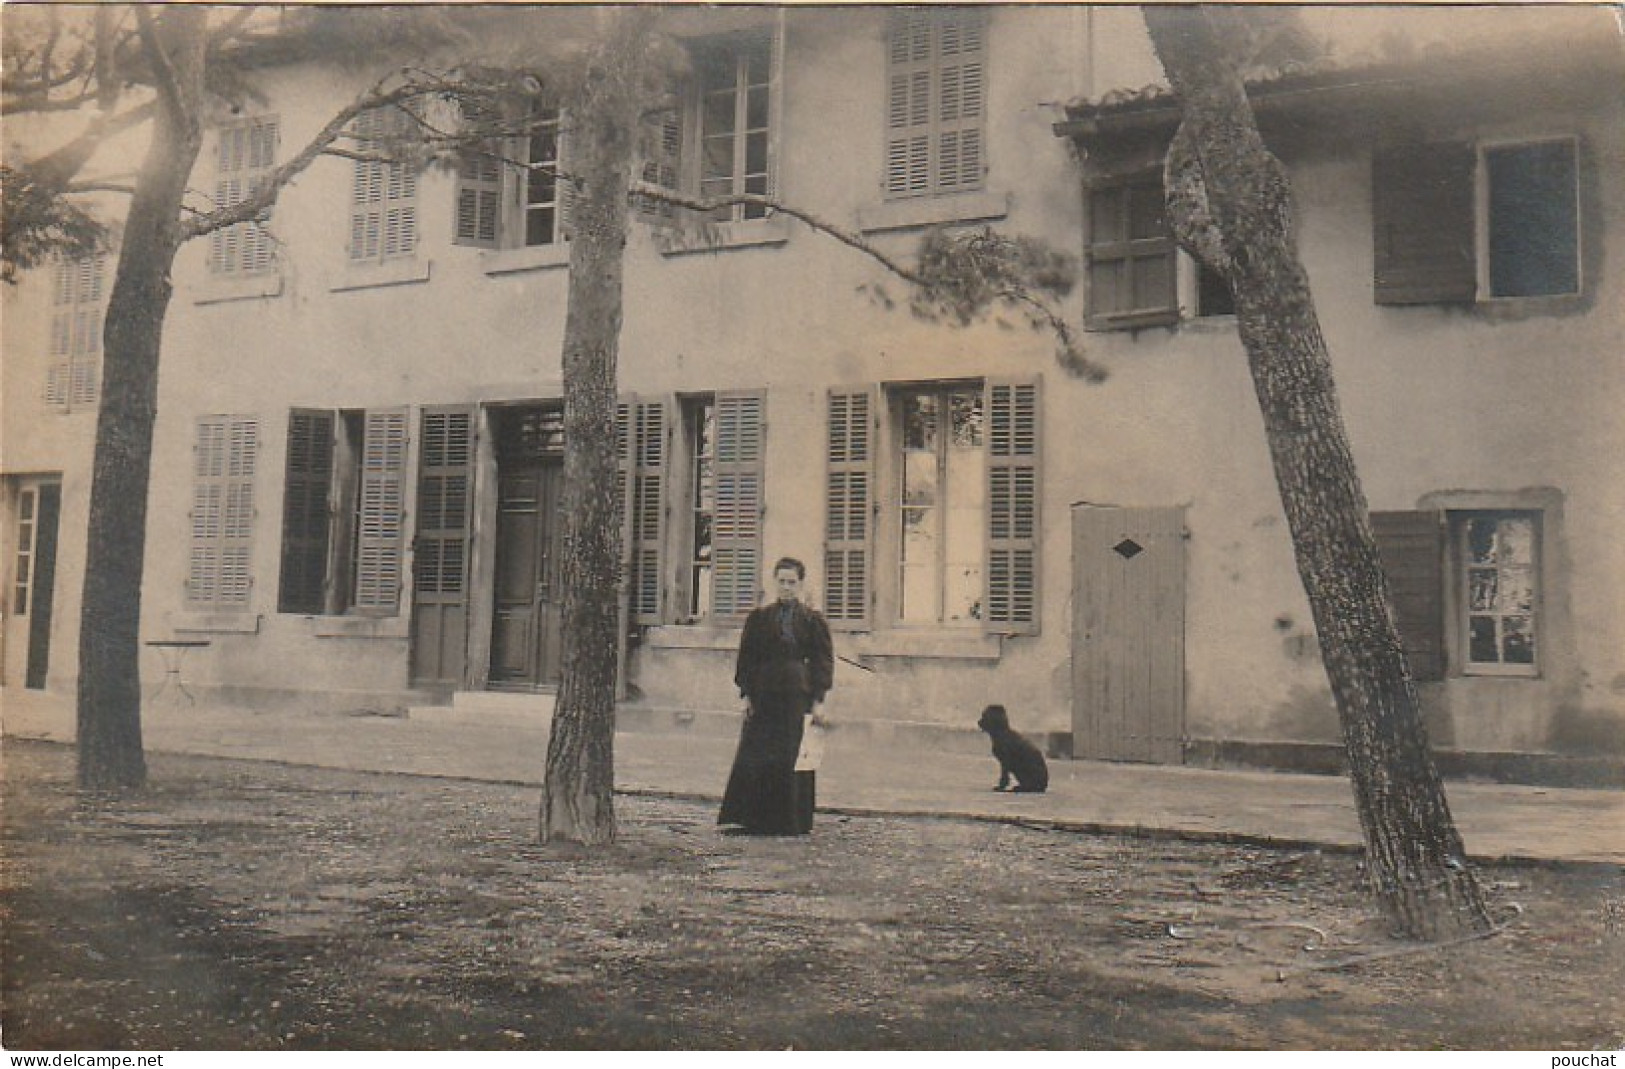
[(942, 503), (1467, 587), (1498, 568), (931, 506), (343, 507)]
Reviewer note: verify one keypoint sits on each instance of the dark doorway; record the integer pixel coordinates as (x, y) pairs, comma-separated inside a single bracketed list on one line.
[(527, 605), (42, 587)]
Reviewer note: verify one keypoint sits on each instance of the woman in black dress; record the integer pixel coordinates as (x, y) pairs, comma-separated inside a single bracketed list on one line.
[(786, 663)]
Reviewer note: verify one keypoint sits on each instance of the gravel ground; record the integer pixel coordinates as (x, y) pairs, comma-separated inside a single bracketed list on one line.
[(246, 906)]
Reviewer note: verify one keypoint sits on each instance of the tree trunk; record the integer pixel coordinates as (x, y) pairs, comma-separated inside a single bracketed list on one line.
[(109, 702), (1230, 202), (578, 790)]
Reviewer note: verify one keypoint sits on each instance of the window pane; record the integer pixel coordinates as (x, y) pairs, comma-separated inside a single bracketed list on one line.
[(1106, 215), (539, 226), (719, 114), (1153, 282), (1515, 542), (756, 109), (1532, 220), (1518, 640), (1481, 640), (717, 158), (756, 154), (1146, 212), (920, 422), (1481, 542)]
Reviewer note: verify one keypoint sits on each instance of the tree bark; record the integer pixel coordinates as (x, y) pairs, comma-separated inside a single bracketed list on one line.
[(109, 701), (578, 788), (1230, 203)]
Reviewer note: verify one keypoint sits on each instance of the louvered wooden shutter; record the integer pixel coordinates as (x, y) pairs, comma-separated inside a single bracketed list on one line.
[(1132, 255), (1012, 507), (247, 153), (935, 101), (623, 481), (736, 544), (1411, 545), (663, 167), (222, 512), (73, 376), (1423, 233), (646, 524), (566, 188), (479, 198), (306, 518), (383, 201), (380, 512), (440, 561), (961, 99), (849, 507)]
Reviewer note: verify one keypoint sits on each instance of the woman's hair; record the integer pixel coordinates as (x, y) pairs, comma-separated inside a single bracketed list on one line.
[(791, 563)]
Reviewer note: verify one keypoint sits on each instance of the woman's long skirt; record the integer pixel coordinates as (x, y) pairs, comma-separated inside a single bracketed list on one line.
[(762, 796)]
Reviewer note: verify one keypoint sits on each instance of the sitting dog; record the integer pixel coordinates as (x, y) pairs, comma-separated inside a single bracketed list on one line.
[(1018, 758)]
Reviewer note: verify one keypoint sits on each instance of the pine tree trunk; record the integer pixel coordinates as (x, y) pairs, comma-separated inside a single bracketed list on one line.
[(578, 790), (109, 700), (1230, 201)]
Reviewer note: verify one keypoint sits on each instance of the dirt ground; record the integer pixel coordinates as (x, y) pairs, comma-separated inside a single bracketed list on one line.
[(244, 906)]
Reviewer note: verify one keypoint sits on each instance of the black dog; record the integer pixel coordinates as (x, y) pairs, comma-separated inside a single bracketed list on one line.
[(1017, 757)]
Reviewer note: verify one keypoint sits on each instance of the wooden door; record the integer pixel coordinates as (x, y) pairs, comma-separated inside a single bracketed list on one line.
[(528, 610), (1128, 634), (442, 557)]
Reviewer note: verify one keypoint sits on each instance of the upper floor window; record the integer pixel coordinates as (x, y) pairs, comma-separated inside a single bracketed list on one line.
[(1137, 275), (79, 289), (1459, 222), (721, 140), (245, 156), (383, 198), (936, 101), (692, 471), (510, 191)]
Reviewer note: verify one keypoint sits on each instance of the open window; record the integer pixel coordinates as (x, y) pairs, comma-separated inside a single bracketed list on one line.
[(343, 512)]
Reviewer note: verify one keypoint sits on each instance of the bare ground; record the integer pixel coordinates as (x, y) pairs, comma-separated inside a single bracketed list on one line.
[(238, 905)]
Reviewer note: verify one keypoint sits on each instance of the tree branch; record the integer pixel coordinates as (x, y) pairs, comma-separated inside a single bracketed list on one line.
[(661, 195)]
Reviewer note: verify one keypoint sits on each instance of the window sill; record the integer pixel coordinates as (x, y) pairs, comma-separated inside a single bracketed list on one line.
[(386, 627), (937, 210), (215, 623), (533, 258), (718, 237), (1132, 321), (223, 288), (945, 644), (401, 272), (693, 637)]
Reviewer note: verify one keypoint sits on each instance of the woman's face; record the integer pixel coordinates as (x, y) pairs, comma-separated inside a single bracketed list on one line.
[(788, 584)]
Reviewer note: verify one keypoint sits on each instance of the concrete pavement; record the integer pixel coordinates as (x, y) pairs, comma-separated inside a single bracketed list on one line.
[(865, 769)]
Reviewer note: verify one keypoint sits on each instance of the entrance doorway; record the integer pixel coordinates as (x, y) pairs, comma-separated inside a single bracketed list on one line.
[(1128, 634), (527, 606)]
